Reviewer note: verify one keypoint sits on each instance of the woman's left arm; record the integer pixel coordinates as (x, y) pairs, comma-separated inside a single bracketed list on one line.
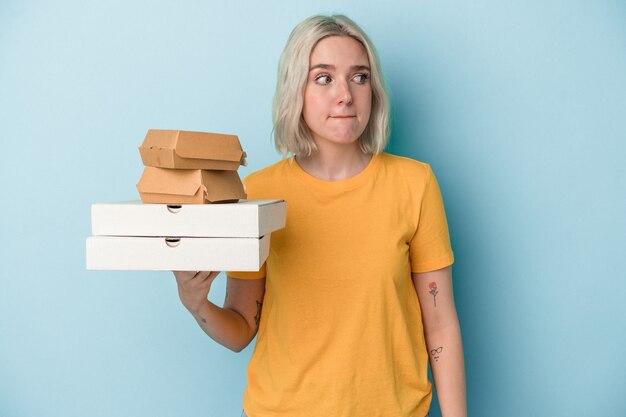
[(443, 339)]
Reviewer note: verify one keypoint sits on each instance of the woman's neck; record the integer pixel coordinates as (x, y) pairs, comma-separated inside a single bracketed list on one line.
[(335, 164)]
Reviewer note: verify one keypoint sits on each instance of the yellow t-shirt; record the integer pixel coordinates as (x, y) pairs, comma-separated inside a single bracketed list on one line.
[(341, 330)]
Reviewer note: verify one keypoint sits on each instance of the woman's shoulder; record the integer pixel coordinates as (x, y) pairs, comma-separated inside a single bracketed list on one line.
[(264, 182), (270, 171), (405, 166)]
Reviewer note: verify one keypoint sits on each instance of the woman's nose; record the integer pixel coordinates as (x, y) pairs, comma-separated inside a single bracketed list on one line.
[(344, 95)]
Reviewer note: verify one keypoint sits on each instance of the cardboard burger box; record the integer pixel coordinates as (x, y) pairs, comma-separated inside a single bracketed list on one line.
[(220, 237), (184, 167), (181, 149), (189, 186)]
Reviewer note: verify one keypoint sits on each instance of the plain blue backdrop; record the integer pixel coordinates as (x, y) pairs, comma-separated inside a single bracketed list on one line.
[(520, 107)]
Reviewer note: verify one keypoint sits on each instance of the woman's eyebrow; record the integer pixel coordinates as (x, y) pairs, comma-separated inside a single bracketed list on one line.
[(322, 66), (332, 67)]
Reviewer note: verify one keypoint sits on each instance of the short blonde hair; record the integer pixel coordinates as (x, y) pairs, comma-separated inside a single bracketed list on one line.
[(291, 134)]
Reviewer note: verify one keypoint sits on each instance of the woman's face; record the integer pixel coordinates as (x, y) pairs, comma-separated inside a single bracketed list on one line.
[(338, 93)]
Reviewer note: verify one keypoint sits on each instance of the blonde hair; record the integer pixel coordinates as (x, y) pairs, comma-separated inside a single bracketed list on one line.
[(291, 134)]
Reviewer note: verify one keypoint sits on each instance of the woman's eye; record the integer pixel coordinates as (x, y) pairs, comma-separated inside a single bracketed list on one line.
[(361, 78), (322, 79)]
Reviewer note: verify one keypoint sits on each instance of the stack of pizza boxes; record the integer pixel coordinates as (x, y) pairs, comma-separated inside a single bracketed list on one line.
[(183, 222)]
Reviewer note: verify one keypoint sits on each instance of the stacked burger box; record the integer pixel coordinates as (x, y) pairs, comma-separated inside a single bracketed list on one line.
[(192, 215), (184, 167)]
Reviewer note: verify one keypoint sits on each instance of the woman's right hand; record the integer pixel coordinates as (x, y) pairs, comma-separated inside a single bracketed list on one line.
[(193, 287)]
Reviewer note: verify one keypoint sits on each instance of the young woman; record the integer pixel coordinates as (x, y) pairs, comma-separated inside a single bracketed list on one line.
[(356, 294)]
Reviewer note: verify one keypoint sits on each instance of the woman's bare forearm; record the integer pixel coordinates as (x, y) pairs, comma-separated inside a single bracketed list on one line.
[(445, 349), (443, 339), (227, 327)]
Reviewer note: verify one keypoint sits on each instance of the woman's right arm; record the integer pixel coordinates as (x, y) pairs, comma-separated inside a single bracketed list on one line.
[(233, 325)]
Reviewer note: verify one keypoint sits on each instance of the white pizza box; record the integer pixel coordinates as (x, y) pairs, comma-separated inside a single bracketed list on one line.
[(177, 254), (247, 218)]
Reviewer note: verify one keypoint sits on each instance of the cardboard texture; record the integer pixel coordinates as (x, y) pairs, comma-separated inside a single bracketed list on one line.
[(182, 149), (247, 218), (189, 186), (176, 254)]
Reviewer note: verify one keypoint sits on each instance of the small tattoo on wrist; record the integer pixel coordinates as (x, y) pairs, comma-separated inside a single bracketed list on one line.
[(436, 352), (433, 291), (203, 319)]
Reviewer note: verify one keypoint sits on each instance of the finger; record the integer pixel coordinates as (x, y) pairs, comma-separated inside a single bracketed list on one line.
[(178, 275), (207, 275), (184, 276)]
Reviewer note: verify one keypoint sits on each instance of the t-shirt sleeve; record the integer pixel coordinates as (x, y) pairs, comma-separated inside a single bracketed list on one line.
[(248, 275), (430, 247)]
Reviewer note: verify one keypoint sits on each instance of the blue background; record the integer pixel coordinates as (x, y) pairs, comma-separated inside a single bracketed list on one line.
[(519, 107)]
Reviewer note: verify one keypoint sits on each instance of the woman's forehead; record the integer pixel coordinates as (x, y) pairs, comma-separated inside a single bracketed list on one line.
[(338, 50)]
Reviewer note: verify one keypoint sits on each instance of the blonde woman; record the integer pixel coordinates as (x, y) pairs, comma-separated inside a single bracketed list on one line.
[(356, 295)]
